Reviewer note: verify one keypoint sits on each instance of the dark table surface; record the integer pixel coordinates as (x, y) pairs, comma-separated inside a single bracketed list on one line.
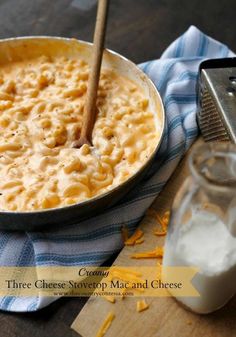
[(138, 29)]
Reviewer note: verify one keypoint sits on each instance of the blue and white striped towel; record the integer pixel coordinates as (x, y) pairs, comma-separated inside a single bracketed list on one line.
[(93, 241)]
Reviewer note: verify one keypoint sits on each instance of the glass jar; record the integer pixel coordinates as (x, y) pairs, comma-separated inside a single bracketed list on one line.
[(202, 230)]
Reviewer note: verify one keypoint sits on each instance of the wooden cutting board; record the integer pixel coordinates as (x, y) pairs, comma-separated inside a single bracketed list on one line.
[(165, 317)]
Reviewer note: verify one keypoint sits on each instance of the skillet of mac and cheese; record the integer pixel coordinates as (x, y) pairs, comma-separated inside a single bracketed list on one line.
[(41, 112)]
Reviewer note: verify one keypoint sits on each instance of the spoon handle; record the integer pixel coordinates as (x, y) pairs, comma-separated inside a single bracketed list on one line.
[(89, 115)]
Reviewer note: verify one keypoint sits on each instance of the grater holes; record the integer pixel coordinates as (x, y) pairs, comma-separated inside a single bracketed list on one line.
[(232, 79), (231, 91), (209, 120)]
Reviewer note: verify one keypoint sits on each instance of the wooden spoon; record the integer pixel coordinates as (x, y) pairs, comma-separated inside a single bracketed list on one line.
[(90, 103)]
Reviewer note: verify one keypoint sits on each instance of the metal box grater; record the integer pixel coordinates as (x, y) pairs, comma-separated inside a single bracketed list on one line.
[(217, 99)]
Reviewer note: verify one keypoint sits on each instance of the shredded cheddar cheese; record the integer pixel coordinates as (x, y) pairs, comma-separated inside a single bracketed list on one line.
[(160, 233), (105, 325), (122, 270), (125, 277), (110, 299), (136, 236), (139, 241), (166, 216), (156, 253), (142, 305), (161, 220)]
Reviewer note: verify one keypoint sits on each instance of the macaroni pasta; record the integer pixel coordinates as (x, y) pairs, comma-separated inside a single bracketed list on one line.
[(41, 112)]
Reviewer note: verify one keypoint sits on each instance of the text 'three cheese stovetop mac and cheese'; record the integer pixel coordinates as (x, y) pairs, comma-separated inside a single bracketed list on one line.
[(41, 112)]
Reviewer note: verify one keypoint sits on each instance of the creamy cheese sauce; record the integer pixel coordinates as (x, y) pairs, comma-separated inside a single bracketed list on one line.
[(41, 113)]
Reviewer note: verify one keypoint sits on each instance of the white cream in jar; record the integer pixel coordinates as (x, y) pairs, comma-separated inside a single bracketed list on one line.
[(206, 243)]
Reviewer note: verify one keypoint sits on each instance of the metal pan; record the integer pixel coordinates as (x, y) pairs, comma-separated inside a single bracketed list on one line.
[(16, 49)]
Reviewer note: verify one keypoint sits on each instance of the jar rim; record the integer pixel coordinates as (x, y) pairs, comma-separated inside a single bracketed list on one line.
[(213, 150)]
